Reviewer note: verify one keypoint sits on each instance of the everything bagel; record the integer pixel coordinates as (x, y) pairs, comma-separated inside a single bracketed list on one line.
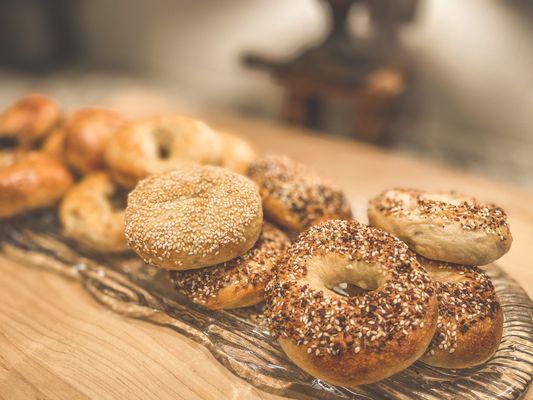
[(239, 282), (443, 226), (351, 341), (470, 323)]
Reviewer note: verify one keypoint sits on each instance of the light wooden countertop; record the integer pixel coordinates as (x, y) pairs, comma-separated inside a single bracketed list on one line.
[(56, 342)]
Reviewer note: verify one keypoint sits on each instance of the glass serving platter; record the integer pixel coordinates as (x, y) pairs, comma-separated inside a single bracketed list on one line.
[(239, 340)]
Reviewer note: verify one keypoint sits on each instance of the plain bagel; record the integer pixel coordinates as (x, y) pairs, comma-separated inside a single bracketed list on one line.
[(31, 181), (30, 119), (92, 213), (159, 144)]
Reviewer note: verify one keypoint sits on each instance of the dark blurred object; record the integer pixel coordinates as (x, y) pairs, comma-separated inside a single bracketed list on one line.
[(366, 74), (38, 35)]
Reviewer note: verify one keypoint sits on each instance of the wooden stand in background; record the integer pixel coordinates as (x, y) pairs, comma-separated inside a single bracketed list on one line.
[(365, 74)]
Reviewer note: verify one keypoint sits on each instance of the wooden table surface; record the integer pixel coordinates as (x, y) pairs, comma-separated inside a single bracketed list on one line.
[(56, 342)]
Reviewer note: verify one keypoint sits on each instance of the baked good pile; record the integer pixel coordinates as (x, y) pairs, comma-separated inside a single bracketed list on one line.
[(348, 302)]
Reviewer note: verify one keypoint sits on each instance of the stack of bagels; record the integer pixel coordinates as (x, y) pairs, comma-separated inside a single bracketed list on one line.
[(348, 302), (452, 235), (207, 225)]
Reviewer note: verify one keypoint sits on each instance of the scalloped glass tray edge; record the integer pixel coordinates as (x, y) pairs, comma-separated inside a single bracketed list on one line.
[(239, 341)]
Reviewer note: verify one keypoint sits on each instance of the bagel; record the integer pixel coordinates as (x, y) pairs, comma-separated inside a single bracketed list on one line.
[(294, 196), (32, 180), (237, 154), (443, 226), (30, 119), (7, 157), (193, 217), (159, 144), (239, 282), (92, 213), (351, 340), (87, 132), (54, 144), (9, 152), (470, 322)]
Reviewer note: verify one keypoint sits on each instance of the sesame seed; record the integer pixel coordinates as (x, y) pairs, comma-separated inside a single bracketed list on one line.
[(193, 212)]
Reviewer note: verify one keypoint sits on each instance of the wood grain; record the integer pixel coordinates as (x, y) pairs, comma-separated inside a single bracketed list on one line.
[(56, 342)]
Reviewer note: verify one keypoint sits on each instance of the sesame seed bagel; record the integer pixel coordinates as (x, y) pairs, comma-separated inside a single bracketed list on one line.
[(470, 323), (239, 282), (294, 196), (193, 217), (159, 144), (351, 340), (30, 119), (92, 213), (443, 226), (30, 181), (87, 132)]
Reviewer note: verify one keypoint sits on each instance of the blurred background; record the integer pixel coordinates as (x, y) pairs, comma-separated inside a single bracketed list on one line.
[(447, 80)]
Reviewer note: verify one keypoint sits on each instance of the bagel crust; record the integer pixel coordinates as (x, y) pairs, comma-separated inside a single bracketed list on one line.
[(159, 144), (54, 144), (358, 339), (239, 282), (294, 196), (89, 215), (87, 132), (237, 154), (443, 226), (470, 323), (33, 180), (30, 119), (193, 217)]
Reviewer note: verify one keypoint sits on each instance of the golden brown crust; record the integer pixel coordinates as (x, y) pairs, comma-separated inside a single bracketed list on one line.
[(92, 213), (239, 282), (159, 144), (32, 181), (443, 226), (237, 154), (357, 339), (193, 217), (30, 119), (87, 132), (294, 196), (54, 144), (352, 370), (470, 323)]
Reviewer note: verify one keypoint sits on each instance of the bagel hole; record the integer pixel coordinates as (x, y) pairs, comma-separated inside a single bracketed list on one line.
[(8, 142), (349, 289), (163, 151), (118, 199), (163, 139), (344, 277)]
